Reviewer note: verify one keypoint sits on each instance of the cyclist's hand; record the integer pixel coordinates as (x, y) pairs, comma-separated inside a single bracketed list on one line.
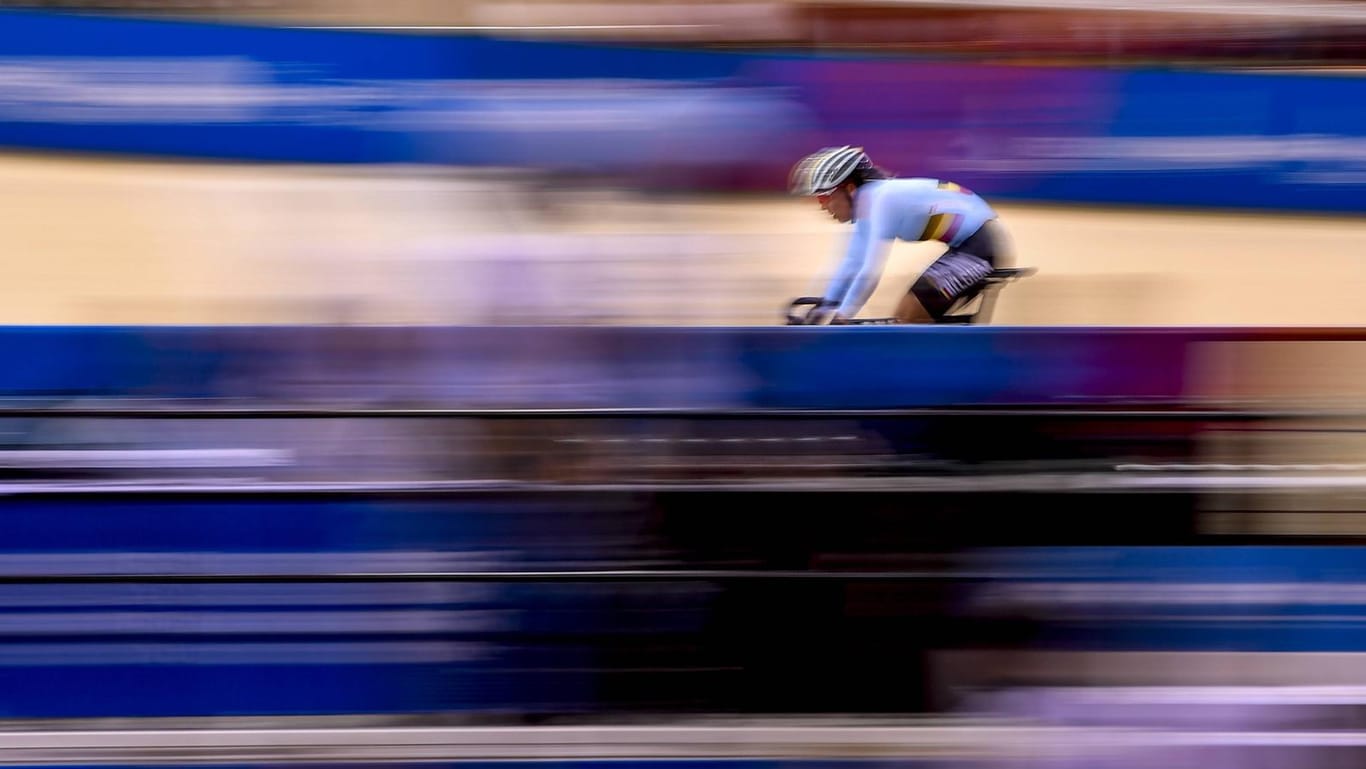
[(822, 314), (832, 318)]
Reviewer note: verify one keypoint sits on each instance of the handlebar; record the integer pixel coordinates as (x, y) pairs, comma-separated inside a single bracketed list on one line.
[(794, 319)]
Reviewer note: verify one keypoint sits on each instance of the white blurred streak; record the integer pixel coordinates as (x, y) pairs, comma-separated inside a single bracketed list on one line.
[(247, 595), (143, 458), (1294, 10), (1041, 746), (133, 562), (747, 21), (207, 622)]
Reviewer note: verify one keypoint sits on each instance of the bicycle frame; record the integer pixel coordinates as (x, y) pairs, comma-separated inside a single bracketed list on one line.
[(975, 306)]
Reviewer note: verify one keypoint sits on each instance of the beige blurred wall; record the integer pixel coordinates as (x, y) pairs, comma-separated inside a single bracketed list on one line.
[(112, 241)]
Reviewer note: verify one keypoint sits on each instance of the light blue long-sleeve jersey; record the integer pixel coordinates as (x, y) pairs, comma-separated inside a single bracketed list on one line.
[(912, 210)]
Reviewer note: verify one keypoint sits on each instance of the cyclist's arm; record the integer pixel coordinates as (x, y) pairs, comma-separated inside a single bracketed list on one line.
[(847, 270), (865, 262), (874, 233)]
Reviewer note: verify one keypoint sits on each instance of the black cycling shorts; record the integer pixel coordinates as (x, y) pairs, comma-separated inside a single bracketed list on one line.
[(959, 270)]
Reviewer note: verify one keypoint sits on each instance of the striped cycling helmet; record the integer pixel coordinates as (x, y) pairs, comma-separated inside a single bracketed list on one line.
[(824, 170)]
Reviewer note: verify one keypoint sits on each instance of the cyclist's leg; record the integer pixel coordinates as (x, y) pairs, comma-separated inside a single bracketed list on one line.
[(991, 243), (956, 272), (943, 283)]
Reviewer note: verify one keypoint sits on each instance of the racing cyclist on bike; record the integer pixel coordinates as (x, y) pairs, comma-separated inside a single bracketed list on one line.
[(884, 209)]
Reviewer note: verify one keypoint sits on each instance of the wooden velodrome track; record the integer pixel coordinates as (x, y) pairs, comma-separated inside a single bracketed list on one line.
[(112, 241)]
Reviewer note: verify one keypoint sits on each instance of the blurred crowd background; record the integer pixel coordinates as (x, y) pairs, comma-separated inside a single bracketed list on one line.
[(419, 363)]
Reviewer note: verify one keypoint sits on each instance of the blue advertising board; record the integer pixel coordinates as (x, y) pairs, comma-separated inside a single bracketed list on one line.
[(607, 366)]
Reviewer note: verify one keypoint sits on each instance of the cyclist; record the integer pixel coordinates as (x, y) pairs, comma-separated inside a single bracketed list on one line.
[(884, 209)]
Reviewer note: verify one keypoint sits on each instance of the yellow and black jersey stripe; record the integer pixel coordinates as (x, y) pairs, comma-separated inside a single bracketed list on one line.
[(942, 227)]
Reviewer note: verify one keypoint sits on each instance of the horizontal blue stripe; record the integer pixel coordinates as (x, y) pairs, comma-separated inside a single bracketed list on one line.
[(612, 366), (1195, 564), (181, 690)]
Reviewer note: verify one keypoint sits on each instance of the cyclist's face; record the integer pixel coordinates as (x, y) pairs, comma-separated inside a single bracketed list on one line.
[(838, 204)]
